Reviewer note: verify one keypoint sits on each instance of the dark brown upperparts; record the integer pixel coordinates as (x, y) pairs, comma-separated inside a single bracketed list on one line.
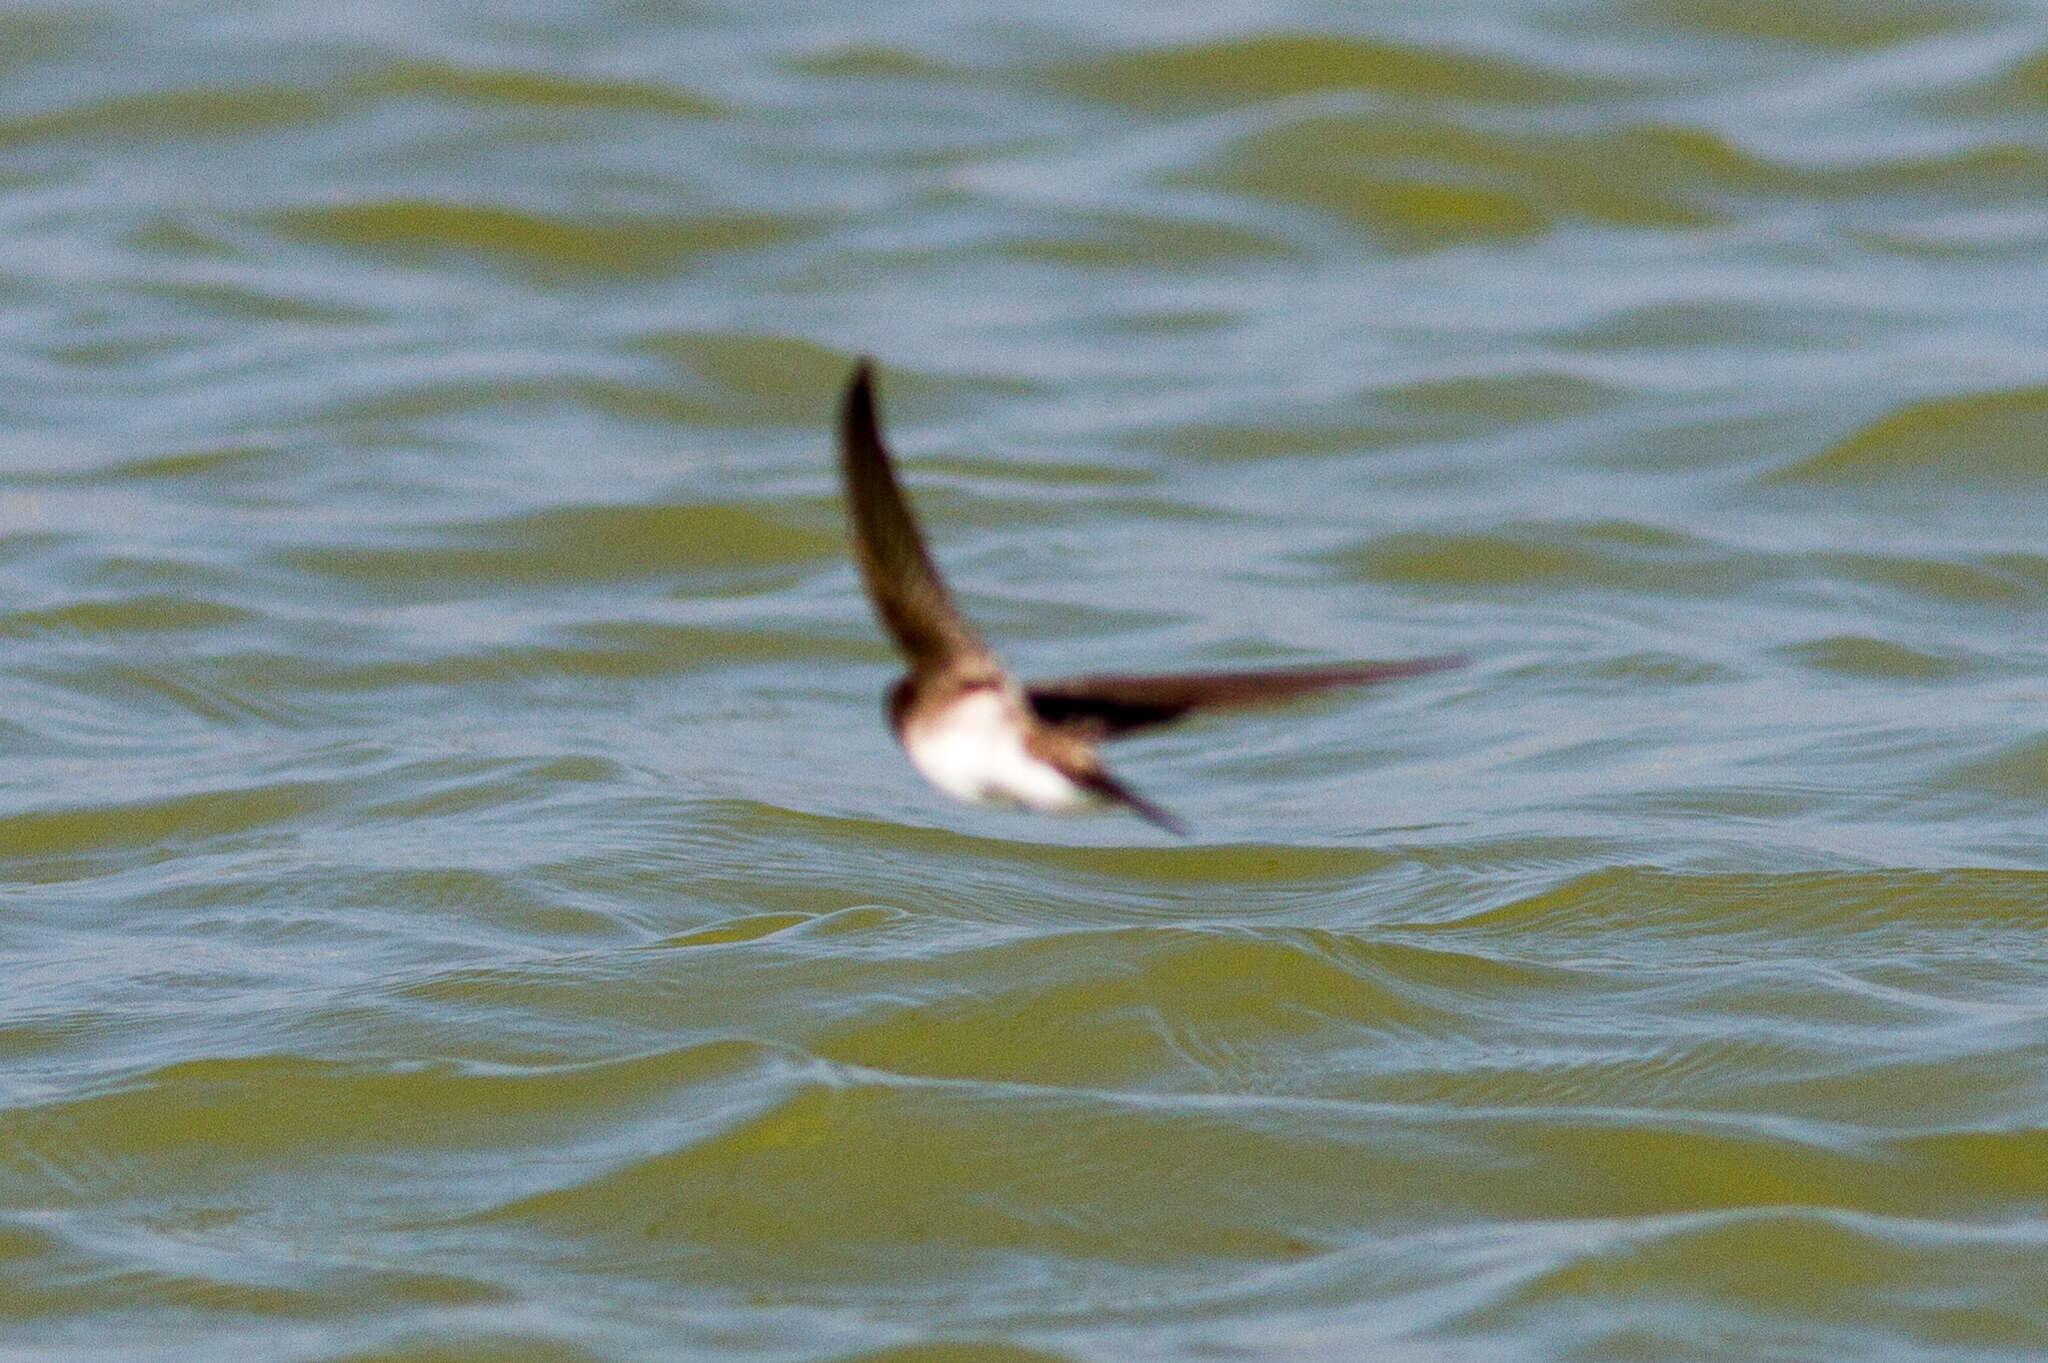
[(916, 696), (1110, 706), (908, 595)]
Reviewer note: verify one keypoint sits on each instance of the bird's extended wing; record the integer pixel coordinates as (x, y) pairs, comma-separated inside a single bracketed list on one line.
[(908, 594), (1111, 706)]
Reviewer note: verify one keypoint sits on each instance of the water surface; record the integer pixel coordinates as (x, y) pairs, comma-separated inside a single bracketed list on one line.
[(461, 902)]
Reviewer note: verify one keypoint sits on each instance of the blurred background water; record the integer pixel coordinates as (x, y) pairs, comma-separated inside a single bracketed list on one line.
[(460, 899)]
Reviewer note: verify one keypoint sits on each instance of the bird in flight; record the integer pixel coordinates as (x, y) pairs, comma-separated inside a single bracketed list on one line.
[(976, 732)]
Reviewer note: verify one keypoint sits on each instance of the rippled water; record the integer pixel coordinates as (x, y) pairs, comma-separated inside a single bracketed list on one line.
[(460, 900)]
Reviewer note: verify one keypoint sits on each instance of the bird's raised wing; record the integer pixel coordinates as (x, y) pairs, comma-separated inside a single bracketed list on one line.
[(909, 596), (1111, 706)]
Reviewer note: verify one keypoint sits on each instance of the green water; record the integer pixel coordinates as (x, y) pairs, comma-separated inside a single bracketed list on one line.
[(461, 902)]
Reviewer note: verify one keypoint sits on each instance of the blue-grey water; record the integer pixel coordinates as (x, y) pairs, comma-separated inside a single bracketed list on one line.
[(460, 900)]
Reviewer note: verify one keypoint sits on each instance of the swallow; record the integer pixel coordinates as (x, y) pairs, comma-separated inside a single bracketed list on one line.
[(971, 728)]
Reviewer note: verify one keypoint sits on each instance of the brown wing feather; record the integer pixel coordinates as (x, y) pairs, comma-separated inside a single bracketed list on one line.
[(909, 597), (1110, 706)]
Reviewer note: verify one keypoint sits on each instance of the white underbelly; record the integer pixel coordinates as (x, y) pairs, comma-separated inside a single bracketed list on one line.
[(974, 751)]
